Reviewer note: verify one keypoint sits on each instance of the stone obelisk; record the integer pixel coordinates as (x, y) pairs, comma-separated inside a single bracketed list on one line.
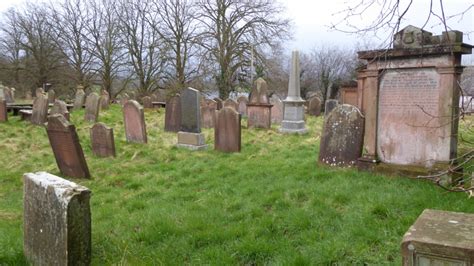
[(293, 116)]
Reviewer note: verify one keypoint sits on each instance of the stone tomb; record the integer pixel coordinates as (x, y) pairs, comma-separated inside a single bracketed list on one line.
[(102, 140), (3, 110), (134, 122), (147, 103), (348, 93), (242, 101), (314, 106), (439, 238), (66, 147), (231, 103), (277, 109), (227, 132), (59, 107), (259, 107), (39, 114), (56, 221), (79, 98), (92, 107), (342, 137), (190, 135), (410, 101), (173, 114), (208, 113)]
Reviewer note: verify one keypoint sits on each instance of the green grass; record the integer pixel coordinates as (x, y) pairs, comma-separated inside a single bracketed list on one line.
[(270, 204)]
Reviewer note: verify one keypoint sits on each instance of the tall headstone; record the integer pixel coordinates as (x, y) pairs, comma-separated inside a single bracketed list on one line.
[(134, 121), (3, 110), (104, 100), (66, 147), (40, 110), (314, 106), (342, 137), (59, 107), (92, 107), (102, 140), (277, 109), (80, 98), (190, 135), (208, 113), (220, 103), (227, 132), (147, 104), (231, 103), (329, 106), (56, 221), (173, 114), (259, 107), (51, 96), (242, 100)]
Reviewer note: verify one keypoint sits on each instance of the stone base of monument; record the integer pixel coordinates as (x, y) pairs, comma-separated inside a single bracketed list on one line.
[(293, 118), (293, 127), (259, 115), (439, 238), (191, 141)]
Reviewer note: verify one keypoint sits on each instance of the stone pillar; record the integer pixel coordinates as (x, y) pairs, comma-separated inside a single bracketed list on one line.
[(369, 99)]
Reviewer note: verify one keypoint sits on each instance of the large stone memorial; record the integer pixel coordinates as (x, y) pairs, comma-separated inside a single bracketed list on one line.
[(227, 132), (56, 221), (80, 98), (134, 122), (173, 114), (293, 114), (342, 137), (92, 107), (3, 110), (60, 107), (259, 107), (277, 109), (242, 100), (208, 113), (190, 135), (39, 114), (102, 140), (410, 97), (66, 147)]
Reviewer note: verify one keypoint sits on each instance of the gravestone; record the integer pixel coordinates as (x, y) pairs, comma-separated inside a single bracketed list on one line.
[(56, 221), (28, 96), (39, 91), (190, 135), (2, 91), (40, 110), (9, 94), (208, 112), (329, 106), (92, 107), (3, 110), (342, 137), (124, 98), (410, 99), (147, 104), (439, 238), (60, 107), (227, 132), (66, 147), (102, 140), (277, 109), (134, 121), (219, 102), (173, 114), (104, 100), (51, 96), (259, 107), (293, 115), (80, 98), (314, 106), (242, 100), (231, 103)]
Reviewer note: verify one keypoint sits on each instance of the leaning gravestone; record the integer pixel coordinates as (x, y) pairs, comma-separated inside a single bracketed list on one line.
[(66, 147), (134, 121), (314, 106), (92, 107), (342, 137), (102, 140), (3, 110), (259, 107), (277, 109), (56, 221), (147, 103), (173, 114), (227, 132), (51, 96), (208, 112), (190, 135), (40, 110), (104, 100), (242, 100), (231, 103), (329, 106), (79, 98), (59, 107)]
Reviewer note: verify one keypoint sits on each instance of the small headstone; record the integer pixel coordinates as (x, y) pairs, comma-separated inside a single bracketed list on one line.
[(92, 107), (104, 100), (60, 107), (3, 110), (9, 95), (231, 103), (39, 91), (66, 147), (102, 140), (227, 132), (219, 102), (208, 112), (330, 105), (40, 110), (190, 135), (134, 121), (314, 106), (342, 137), (56, 221), (259, 107), (147, 103), (79, 98), (277, 109), (173, 114), (242, 100), (51, 96)]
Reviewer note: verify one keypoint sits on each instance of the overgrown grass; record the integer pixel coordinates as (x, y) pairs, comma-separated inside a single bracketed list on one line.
[(270, 204)]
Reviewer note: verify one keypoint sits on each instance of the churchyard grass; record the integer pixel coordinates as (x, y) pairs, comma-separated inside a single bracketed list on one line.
[(270, 204)]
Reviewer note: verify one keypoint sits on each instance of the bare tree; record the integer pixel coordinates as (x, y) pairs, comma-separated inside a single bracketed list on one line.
[(11, 47)]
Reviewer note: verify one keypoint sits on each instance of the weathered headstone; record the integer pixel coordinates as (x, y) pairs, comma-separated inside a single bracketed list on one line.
[(220, 103), (190, 135), (277, 109), (51, 96), (242, 100), (80, 98), (60, 107), (314, 106), (39, 113), (134, 121), (231, 103), (259, 107), (208, 113), (66, 147), (3, 110), (56, 221), (9, 95), (439, 238), (329, 106), (39, 91), (342, 137), (227, 132), (102, 140), (147, 104), (104, 100), (92, 107), (173, 114)]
